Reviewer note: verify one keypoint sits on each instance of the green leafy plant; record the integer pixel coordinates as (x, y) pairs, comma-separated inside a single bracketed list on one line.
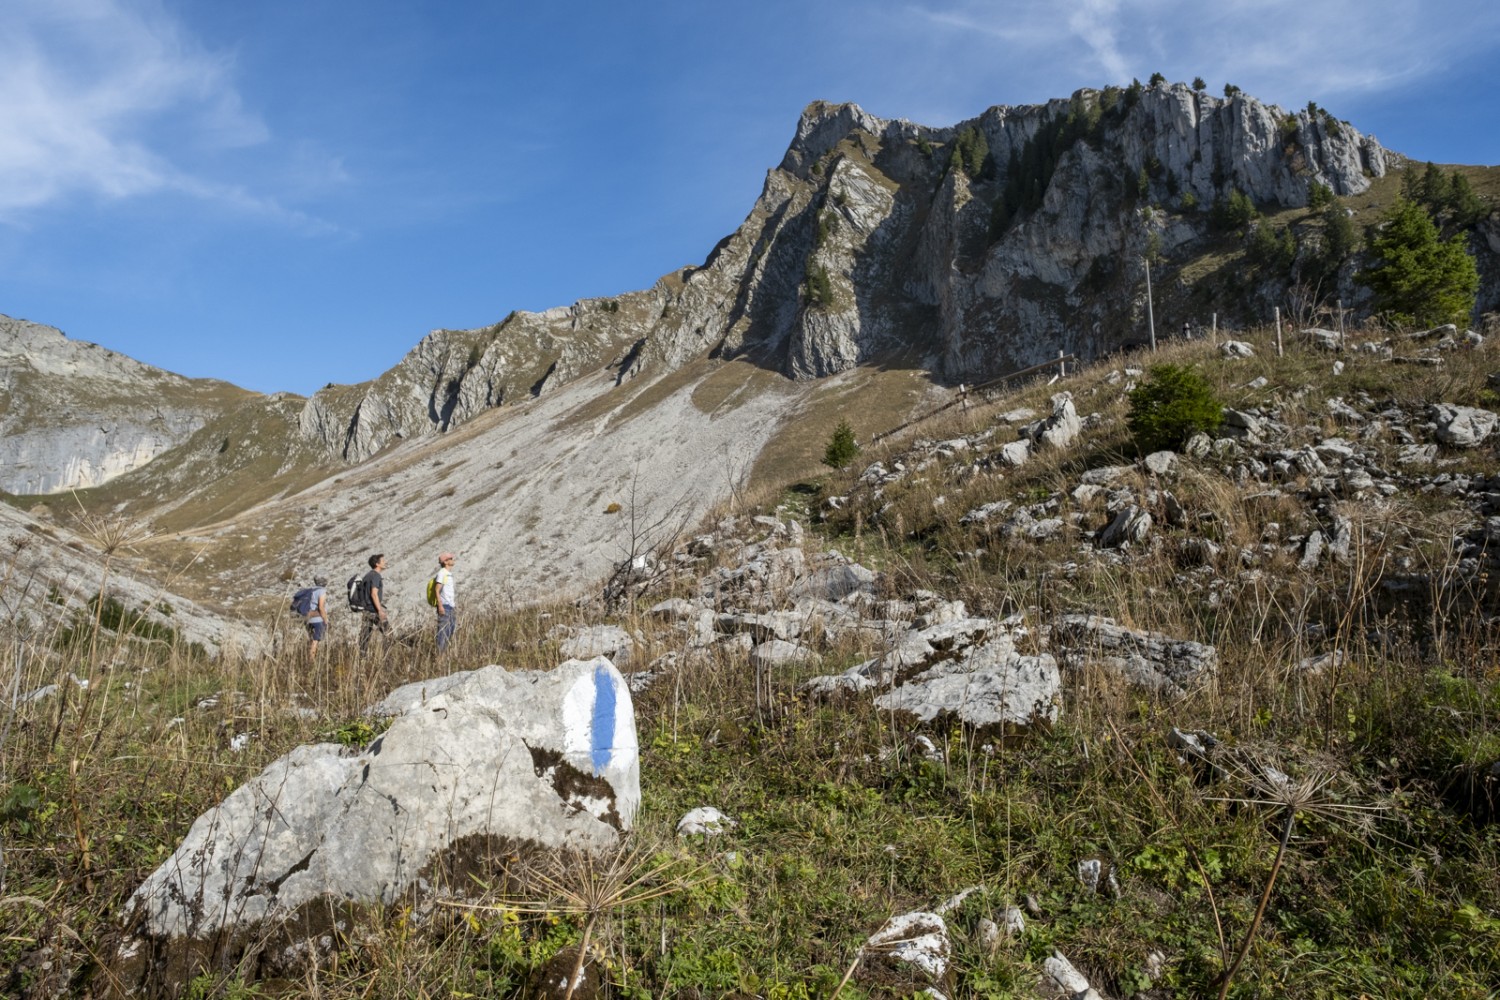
[(842, 448), (1319, 196), (1173, 404)]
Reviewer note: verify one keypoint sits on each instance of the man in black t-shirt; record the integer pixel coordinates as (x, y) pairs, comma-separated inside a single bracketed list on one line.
[(374, 616)]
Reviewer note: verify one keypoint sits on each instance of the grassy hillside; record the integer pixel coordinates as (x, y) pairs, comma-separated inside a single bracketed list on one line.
[(1369, 872)]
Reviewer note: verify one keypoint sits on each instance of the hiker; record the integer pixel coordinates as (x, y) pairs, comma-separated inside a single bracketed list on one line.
[(375, 618), (447, 618), (317, 618)]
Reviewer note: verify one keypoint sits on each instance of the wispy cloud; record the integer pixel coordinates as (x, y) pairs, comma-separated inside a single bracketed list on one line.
[(1279, 49), (108, 99)]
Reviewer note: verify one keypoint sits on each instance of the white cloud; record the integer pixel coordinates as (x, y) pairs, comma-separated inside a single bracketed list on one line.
[(1280, 50), (103, 98)]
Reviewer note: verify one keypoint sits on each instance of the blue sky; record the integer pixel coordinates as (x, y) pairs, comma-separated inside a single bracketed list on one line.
[(285, 193)]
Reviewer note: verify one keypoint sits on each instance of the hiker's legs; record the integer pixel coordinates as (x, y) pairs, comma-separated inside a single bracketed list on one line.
[(446, 625), (367, 624)]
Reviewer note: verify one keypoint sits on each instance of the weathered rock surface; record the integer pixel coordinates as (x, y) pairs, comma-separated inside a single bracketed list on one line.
[(1463, 426), (483, 757), (914, 945), (1148, 659), (988, 685)]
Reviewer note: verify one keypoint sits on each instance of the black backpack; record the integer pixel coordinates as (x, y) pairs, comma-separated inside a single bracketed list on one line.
[(358, 599)]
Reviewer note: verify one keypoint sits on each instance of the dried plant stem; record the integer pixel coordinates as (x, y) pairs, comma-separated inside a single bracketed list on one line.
[(583, 950), (848, 973), (1265, 899)]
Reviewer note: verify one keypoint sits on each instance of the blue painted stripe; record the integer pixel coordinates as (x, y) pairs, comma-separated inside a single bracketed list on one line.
[(604, 719)]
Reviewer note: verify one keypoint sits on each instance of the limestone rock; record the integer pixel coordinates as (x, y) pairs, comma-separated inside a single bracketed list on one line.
[(779, 652), (1463, 426), (1161, 463), (912, 944), (988, 685), (542, 758), (1130, 526), (1147, 659), (1327, 340), (77, 415), (1073, 984), (1059, 429), (704, 821), (837, 582), (609, 641)]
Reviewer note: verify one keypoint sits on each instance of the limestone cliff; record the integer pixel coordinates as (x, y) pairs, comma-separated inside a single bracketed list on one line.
[(76, 415), (968, 251)]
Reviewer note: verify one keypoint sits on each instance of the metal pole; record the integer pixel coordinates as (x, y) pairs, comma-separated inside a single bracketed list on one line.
[(1278, 331), (1216, 328), (1150, 313), (1341, 322), (1062, 368)]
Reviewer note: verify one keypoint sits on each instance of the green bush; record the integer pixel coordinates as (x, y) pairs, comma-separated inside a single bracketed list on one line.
[(1234, 212), (1420, 279), (1172, 405), (842, 448), (818, 287), (1319, 196)]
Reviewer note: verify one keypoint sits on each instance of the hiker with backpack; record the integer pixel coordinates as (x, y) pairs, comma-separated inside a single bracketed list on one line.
[(311, 604), (373, 587), (440, 596)]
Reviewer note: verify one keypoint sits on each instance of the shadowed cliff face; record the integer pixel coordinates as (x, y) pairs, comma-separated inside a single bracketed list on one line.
[(966, 251)]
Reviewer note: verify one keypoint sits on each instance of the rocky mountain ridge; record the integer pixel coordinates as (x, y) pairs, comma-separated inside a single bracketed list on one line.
[(868, 242)]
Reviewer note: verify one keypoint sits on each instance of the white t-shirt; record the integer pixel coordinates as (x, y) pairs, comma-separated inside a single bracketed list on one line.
[(445, 587)]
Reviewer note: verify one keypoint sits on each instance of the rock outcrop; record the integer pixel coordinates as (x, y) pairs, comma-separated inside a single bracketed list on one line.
[(75, 415), (476, 761), (876, 239)]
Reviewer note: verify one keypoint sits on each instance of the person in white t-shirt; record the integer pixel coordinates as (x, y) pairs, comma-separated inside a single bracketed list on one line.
[(447, 619)]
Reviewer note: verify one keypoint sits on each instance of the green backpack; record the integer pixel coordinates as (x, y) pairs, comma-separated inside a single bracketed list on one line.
[(432, 592)]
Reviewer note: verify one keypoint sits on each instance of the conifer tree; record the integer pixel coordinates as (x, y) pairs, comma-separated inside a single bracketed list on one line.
[(1420, 278)]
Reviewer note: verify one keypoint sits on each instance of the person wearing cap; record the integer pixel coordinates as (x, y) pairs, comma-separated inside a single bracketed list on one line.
[(317, 618), (446, 616)]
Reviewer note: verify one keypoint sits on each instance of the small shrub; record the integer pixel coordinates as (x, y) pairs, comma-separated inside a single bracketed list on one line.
[(1319, 196), (842, 448), (819, 288), (1171, 406), (613, 508), (1235, 212)]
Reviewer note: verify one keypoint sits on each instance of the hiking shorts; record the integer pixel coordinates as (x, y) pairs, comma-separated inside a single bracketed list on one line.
[(315, 630)]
